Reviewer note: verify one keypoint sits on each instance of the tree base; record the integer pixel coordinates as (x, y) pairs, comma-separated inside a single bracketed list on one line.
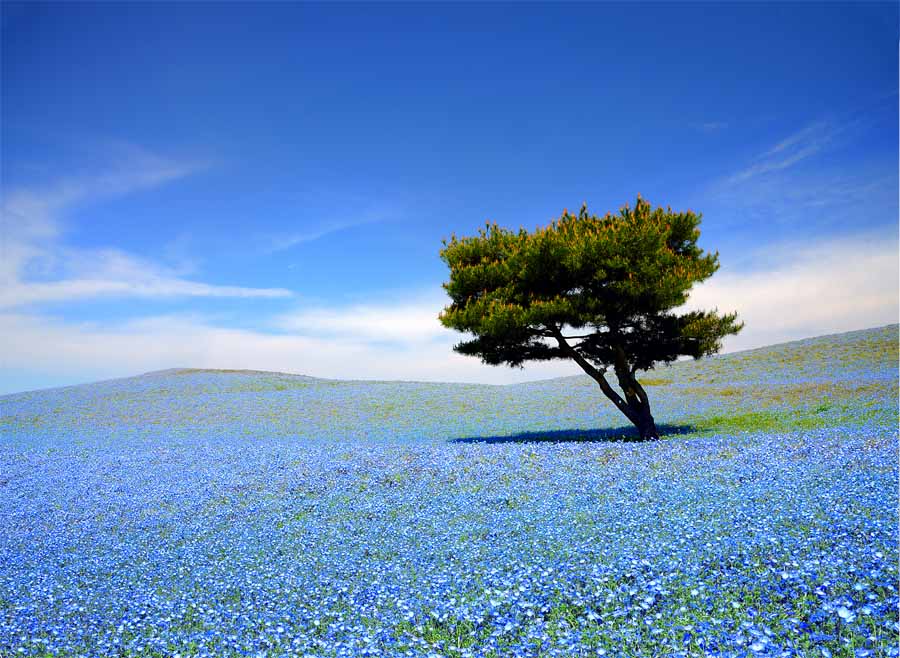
[(646, 426)]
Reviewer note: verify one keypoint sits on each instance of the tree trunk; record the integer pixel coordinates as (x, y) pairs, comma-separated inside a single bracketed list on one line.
[(635, 405), (638, 413), (636, 397), (644, 422)]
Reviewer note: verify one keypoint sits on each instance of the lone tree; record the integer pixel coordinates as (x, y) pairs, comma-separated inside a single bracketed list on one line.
[(597, 290)]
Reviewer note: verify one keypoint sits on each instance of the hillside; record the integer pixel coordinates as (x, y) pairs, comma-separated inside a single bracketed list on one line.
[(210, 513), (813, 382)]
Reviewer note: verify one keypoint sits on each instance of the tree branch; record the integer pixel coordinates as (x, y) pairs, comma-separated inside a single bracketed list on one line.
[(625, 374), (595, 374)]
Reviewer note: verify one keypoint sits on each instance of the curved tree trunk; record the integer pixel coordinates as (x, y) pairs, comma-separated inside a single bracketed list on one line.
[(636, 396), (635, 405)]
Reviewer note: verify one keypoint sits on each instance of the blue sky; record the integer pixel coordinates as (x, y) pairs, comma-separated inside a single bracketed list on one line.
[(266, 186)]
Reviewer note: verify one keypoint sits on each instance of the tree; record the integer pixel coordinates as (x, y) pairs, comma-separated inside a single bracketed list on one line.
[(598, 290)]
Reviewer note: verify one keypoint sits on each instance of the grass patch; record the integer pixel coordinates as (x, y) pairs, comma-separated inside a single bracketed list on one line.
[(654, 381), (771, 420), (450, 632)]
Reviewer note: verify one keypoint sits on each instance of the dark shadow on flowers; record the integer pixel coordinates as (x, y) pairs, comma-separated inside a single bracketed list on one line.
[(605, 435)]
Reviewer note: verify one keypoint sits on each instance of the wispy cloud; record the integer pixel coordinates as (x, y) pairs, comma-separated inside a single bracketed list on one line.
[(35, 212), (793, 149), (284, 242), (121, 275), (31, 225), (798, 186)]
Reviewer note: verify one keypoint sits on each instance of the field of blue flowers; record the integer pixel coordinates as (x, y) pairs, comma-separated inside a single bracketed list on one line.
[(201, 513)]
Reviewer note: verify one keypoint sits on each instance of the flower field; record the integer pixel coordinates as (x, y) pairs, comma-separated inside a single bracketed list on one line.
[(216, 513)]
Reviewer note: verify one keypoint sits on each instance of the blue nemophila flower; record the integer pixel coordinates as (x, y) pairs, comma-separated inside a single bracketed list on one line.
[(216, 514), (845, 614)]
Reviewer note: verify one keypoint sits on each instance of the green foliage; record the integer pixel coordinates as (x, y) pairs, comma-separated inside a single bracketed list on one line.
[(614, 280)]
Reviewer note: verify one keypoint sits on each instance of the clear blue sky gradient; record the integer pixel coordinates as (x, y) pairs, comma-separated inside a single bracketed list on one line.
[(334, 146)]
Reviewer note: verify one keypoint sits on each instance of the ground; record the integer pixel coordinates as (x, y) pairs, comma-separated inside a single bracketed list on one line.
[(232, 513)]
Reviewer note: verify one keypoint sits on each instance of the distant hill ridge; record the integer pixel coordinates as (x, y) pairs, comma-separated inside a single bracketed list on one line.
[(224, 371), (828, 382), (850, 350), (754, 351)]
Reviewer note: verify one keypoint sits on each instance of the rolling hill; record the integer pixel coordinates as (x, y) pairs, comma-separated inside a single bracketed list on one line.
[(218, 513)]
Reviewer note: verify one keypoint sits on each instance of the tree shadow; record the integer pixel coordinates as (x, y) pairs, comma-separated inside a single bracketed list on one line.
[(625, 434)]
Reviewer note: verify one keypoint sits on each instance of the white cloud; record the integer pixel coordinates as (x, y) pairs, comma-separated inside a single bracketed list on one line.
[(835, 285), (412, 322), (85, 352), (147, 284), (31, 231), (796, 291)]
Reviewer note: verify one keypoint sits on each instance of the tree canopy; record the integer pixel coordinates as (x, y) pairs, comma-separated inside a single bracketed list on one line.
[(601, 290)]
